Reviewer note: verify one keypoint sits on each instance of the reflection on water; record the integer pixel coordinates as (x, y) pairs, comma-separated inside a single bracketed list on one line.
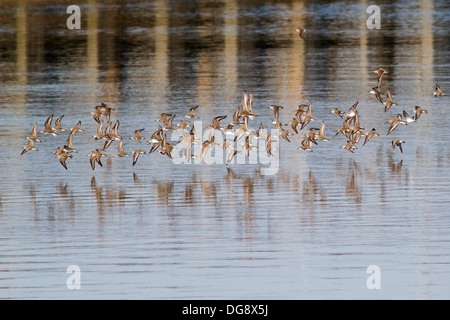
[(162, 230)]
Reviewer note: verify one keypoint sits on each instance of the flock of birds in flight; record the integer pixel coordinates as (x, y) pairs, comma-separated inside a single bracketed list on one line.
[(238, 128)]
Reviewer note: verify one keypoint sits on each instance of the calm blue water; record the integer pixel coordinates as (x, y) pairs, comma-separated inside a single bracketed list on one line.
[(162, 230)]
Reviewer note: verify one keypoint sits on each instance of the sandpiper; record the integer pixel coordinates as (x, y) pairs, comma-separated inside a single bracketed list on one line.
[(247, 106), (418, 111), (243, 129), (106, 111), (407, 117), (69, 142), (48, 127), (438, 91), (187, 141), (351, 111), (398, 144), (121, 152), (191, 113), (76, 128), (338, 112), (63, 156), (321, 134), (182, 124), (236, 118), (395, 122), (306, 144), (95, 156), (308, 117), (276, 112), (97, 113), (99, 134), (28, 147), (380, 72), (268, 145), (169, 126), (231, 154), (376, 93), (136, 154), (370, 134), (166, 147), (163, 118), (389, 102), (349, 146), (301, 32), (33, 134), (284, 133), (208, 144), (295, 122), (58, 126), (137, 135)]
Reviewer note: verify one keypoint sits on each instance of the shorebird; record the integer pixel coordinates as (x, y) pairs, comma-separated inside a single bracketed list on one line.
[(438, 91), (301, 32), (380, 72), (398, 144), (345, 129), (136, 154), (308, 116), (321, 134), (191, 113), (356, 126), (260, 134), (407, 117), (349, 146), (208, 144), (187, 141), (418, 111), (295, 122), (76, 128), (338, 112), (106, 111), (268, 144), (389, 102), (300, 111), (163, 118), (121, 152), (33, 134), (156, 139), (182, 124), (137, 135), (276, 113), (247, 106), (112, 134), (166, 147), (395, 122), (60, 150), (306, 144), (97, 113), (95, 156), (376, 93), (48, 129), (216, 123), (370, 134), (99, 134), (69, 142), (63, 156), (28, 147), (352, 111), (243, 129), (231, 154), (58, 127), (236, 118), (169, 126)]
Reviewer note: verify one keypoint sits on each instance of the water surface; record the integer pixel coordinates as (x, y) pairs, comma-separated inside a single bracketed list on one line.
[(161, 230)]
